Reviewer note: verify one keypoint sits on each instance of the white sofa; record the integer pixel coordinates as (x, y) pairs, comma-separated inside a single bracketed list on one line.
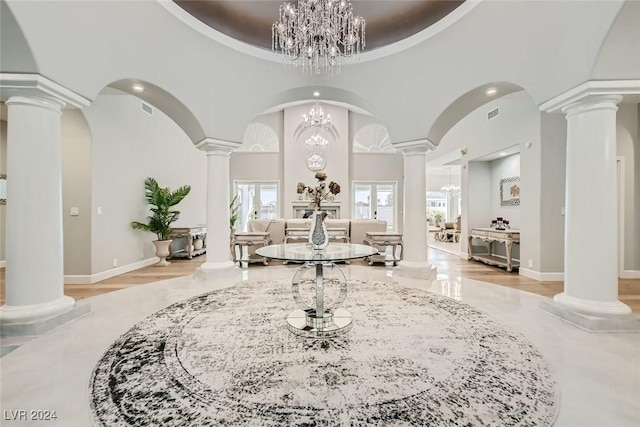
[(355, 229)]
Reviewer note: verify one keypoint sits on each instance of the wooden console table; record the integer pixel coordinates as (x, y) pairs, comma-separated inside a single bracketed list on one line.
[(191, 234), (491, 235)]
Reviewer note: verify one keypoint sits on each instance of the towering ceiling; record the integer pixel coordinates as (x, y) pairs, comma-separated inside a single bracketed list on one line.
[(387, 21)]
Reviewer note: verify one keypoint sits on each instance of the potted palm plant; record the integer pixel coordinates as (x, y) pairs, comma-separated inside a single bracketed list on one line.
[(161, 200)]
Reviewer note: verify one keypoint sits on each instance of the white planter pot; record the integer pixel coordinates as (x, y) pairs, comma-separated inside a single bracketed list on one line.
[(162, 252)]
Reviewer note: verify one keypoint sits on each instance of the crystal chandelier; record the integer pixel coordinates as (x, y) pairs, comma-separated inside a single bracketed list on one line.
[(316, 143), (316, 162), (452, 189), (316, 118), (318, 34)]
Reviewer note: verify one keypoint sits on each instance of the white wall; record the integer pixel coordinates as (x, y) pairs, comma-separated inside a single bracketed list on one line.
[(505, 167), (546, 207), (476, 190), (76, 192), (295, 156), (128, 146), (3, 169), (627, 145)]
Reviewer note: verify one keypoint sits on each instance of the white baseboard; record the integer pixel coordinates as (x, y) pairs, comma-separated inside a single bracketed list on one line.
[(464, 255), (542, 277), (88, 279), (630, 274)]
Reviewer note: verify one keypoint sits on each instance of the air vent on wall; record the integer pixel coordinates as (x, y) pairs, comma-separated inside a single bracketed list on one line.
[(147, 109), (493, 113)]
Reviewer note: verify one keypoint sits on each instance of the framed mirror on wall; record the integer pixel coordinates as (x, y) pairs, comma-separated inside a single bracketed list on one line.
[(3, 189)]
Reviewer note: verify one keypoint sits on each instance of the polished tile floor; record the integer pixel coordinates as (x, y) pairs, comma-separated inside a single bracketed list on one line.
[(599, 374)]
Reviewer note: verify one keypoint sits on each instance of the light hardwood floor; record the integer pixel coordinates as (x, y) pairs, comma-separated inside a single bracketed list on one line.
[(450, 265)]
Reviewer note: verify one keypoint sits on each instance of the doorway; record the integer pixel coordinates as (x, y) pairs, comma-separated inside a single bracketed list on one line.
[(375, 200), (256, 200)]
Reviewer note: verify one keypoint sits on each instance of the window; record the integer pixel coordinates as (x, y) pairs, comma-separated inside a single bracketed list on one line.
[(436, 204), (375, 200), (257, 200)]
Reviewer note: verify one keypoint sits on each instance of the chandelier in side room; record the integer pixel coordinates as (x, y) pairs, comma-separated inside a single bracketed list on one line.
[(318, 34), (451, 189)]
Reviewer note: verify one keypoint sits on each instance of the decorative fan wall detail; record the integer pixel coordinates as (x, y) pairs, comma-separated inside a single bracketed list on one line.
[(260, 137), (373, 138)]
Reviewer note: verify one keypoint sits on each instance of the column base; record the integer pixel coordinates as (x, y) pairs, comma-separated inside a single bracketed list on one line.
[(593, 322), (591, 307), (214, 270), (17, 332), (32, 312), (416, 270)]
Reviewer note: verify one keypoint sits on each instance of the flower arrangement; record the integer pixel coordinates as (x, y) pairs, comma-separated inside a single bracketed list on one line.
[(320, 192)]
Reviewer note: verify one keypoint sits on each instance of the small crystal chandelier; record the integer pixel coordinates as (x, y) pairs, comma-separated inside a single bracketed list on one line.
[(316, 118), (316, 162), (452, 189), (316, 143), (318, 34)]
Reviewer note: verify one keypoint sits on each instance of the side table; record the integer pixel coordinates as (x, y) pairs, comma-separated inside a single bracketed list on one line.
[(381, 240)]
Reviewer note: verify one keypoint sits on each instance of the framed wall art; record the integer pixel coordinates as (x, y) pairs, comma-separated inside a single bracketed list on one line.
[(510, 191)]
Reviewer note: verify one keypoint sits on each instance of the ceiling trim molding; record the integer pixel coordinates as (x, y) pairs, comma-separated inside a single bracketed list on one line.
[(35, 85), (378, 53), (588, 89), (418, 146), (217, 146)]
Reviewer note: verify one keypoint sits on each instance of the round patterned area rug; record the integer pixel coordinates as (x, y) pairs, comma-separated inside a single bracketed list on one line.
[(412, 358)]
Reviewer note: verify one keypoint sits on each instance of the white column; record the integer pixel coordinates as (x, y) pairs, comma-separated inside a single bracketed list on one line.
[(218, 231), (34, 261), (591, 221), (414, 237)]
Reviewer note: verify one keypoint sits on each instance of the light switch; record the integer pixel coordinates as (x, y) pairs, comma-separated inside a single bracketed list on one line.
[(99, 210), (562, 210), (74, 211)]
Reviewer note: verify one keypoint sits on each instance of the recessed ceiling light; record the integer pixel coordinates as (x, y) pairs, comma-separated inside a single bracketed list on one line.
[(492, 91), (137, 87), (503, 154), (316, 93)]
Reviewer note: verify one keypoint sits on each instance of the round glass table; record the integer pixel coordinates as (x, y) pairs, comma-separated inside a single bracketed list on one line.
[(316, 317)]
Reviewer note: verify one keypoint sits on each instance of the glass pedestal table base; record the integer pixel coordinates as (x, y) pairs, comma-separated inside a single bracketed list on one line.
[(321, 319), (319, 314)]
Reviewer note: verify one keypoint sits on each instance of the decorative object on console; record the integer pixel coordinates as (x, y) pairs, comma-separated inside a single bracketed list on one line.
[(162, 200), (500, 224), (317, 34), (510, 191)]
